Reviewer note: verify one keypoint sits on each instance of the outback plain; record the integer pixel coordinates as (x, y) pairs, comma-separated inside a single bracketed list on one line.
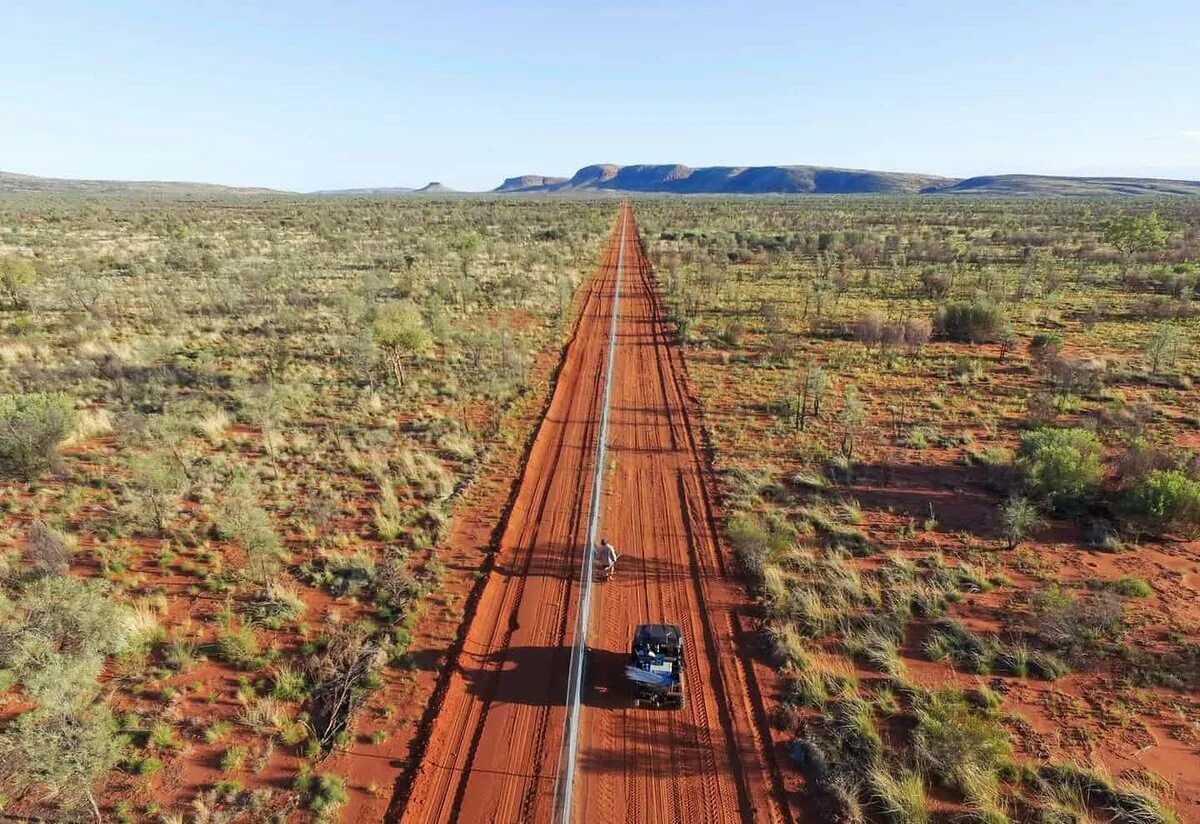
[(270, 470)]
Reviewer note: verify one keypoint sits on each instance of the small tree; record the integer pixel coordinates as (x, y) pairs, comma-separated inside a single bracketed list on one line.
[(16, 273), (869, 328), (240, 518), (1164, 347), (271, 406), (1018, 517), (401, 331), (156, 485), (1133, 234), (852, 418), (1062, 466), (810, 389), (32, 425)]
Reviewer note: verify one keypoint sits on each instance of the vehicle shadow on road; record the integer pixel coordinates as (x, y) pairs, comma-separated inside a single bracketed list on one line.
[(537, 676)]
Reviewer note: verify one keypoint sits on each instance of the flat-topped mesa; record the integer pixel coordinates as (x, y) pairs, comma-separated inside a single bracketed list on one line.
[(528, 182)]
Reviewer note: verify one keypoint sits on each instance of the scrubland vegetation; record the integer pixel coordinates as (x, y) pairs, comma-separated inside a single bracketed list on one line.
[(231, 437), (958, 445)]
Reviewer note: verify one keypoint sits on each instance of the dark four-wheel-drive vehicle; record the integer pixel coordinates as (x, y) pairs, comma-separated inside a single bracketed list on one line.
[(655, 669)]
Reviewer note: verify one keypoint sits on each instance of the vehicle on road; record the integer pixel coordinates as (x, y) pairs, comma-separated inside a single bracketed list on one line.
[(655, 669)]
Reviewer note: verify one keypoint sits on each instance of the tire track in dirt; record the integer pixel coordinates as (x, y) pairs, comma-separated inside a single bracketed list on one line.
[(494, 734)]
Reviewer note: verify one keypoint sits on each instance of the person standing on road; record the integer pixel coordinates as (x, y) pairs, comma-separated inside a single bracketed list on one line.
[(606, 554)]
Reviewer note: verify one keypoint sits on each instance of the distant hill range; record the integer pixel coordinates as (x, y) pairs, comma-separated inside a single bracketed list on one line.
[(728, 180), (432, 188), (11, 183), (667, 179), (1048, 186), (820, 180)]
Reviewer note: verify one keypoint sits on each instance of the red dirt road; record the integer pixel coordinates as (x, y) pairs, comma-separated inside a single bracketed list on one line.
[(493, 749)]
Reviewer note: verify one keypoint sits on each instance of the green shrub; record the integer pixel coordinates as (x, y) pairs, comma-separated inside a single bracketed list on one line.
[(32, 425), (143, 766), (239, 647), (234, 758), (288, 684), (1018, 518), (1132, 587), (57, 756), (755, 541), (949, 638), (974, 321), (162, 736), (325, 792), (1164, 501), (1062, 466)]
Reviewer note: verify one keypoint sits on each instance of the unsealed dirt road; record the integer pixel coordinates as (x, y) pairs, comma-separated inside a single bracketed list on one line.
[(493, 750)]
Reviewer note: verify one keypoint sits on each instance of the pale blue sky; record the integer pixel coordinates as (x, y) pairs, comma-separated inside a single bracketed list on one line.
[(305, 95)]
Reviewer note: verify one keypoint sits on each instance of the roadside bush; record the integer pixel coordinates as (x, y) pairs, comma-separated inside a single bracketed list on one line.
[(975, 321), (397, 586), (342, 573), (325, 792), (1164, 501), (32, 425), (1062, 466), (755, 542)]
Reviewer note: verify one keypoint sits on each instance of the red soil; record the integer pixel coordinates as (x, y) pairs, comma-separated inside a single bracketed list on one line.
[(493, 748)]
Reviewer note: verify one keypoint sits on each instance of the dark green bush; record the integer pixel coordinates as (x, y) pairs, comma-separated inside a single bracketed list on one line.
[(1061, 466), (1164, 501), (974, 321)]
